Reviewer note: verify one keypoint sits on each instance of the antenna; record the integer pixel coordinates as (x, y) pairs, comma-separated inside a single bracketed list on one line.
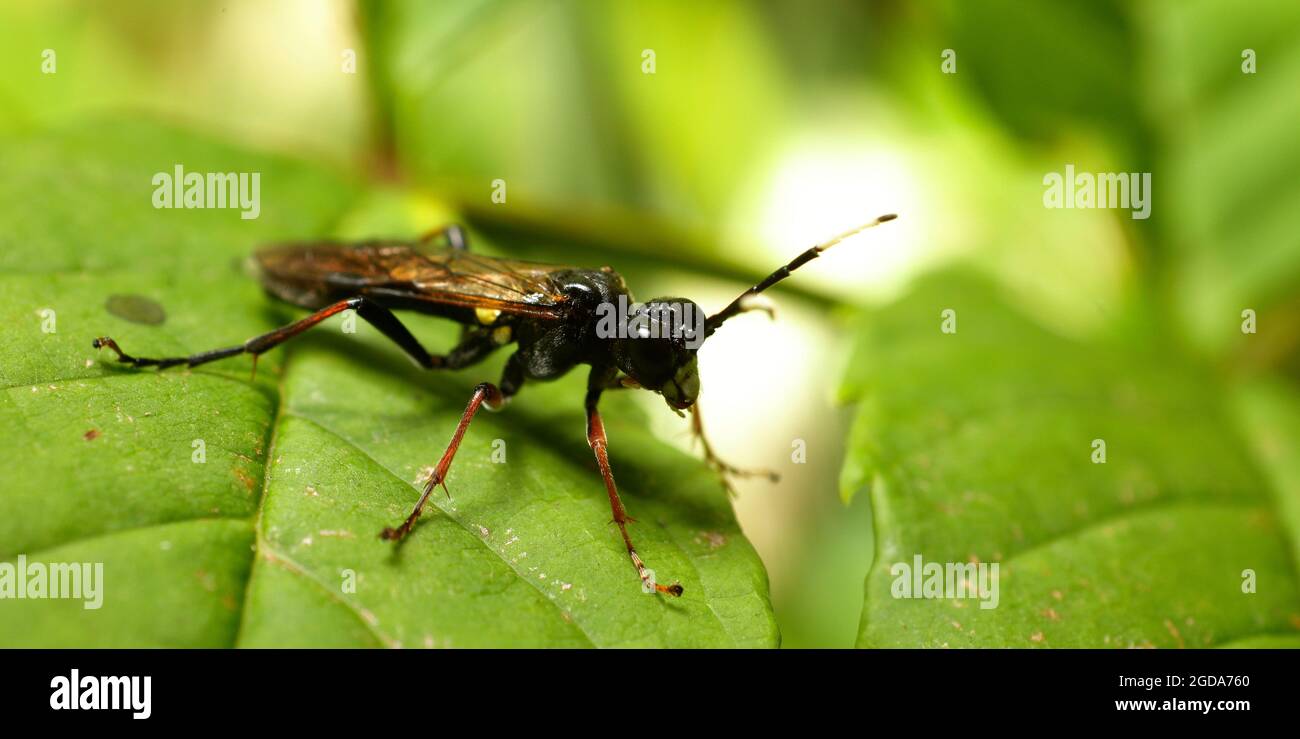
[(738, 306)]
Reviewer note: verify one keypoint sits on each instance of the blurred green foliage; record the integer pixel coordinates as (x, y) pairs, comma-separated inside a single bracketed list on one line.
[(1107, 480)]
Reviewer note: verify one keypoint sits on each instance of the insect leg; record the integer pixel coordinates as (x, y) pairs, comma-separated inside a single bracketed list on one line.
[(453, 234), (599, 444), (485, 393), (713, 460), (374, 314)]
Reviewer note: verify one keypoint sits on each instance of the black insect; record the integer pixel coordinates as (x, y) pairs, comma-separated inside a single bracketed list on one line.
[(559, 317)]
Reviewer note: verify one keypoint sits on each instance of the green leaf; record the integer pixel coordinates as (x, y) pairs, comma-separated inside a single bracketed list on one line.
[(1269, 413), (273, 539), (978, 446), (1228, 168), (1096, 57)]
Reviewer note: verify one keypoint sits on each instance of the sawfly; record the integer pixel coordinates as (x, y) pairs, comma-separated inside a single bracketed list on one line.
[(554, 315)]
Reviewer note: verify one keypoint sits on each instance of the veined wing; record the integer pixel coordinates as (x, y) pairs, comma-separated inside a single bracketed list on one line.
[(444, 275)]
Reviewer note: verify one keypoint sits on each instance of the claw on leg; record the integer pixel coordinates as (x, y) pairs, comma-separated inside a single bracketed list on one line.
[(725, 471), (599, 444), (106, 342), (396, 534), (648, 584), (485, 393)]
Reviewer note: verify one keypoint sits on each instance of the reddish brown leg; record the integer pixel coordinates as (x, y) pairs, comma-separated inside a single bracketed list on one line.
[(485, 393), (377, 315), (599, 445), (723, 469)]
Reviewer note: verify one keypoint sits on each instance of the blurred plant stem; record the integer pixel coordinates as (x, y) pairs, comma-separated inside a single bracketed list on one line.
[(602, 230), (383, 162)]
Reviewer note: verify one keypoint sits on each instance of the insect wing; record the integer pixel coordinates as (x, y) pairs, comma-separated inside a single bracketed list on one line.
[(509, 285), (305, 273)]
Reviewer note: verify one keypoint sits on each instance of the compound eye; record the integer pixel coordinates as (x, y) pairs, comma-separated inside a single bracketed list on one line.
[(653, 361)]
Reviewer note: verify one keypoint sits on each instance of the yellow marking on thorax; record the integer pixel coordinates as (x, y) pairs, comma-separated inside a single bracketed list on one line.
[(487, 316), (501, 334)]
